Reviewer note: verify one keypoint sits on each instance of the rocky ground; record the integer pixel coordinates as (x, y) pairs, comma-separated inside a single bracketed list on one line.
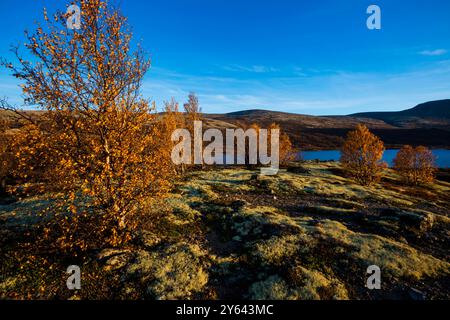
[(307, 233)]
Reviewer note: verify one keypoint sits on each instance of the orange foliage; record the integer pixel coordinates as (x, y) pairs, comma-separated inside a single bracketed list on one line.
[(6, 156), (173, 119), (415, 165), (361, 155), (286, 150), (100, 141), (257, 128)]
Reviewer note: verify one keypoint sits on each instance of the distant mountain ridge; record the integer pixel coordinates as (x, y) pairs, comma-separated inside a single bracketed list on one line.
[(424, 114), (425, 124)]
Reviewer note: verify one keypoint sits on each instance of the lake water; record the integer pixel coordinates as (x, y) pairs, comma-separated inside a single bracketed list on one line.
[(442, 156)]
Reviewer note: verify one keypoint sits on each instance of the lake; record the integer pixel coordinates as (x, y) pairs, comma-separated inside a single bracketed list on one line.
[(442, 156)]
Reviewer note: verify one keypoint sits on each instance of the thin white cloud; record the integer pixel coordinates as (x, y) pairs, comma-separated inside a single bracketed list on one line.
[(437, 52), (253, 69), (319, 93), (337, 92)]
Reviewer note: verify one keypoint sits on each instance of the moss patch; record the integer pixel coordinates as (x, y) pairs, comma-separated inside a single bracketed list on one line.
[(176, 272)]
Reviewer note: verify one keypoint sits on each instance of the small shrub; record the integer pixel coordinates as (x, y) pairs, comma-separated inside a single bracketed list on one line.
[(287, 152), (415, 165), (361, 155)]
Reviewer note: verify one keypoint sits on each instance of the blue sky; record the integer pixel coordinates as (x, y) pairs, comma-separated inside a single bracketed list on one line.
[(313, 57)]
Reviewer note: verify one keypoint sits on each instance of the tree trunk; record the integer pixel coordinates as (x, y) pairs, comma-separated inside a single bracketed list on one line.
[(2, 186)]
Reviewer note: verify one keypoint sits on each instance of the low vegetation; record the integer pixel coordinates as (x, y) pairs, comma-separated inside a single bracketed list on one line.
[(230, 233), (361, 155), (89, 181), (415, 165)]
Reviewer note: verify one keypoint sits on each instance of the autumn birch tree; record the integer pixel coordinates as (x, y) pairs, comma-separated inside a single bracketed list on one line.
[(287, 151), (193, 113), (172, 119), (361, 155), (415, 165), (103, 137)]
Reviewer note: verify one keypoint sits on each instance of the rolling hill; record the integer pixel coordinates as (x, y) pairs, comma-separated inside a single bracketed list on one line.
[(426, 124), (433, 113)]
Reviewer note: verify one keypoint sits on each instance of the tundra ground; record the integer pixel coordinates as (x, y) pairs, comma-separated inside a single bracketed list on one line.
[(307, 233)]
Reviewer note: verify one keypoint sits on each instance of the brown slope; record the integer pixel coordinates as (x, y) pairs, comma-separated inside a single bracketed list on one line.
[(328, 132)]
